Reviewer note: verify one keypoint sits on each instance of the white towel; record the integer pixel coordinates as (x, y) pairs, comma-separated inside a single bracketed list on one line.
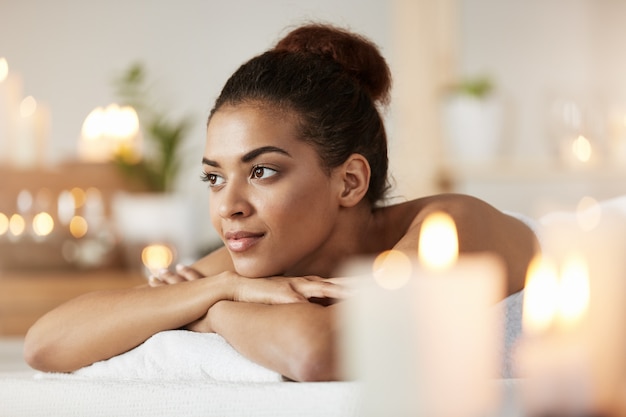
[(181, 355)]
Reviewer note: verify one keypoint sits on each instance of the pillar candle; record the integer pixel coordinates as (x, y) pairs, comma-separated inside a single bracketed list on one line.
[(423, 335), (32, 134), (579, 361), (10, 97)]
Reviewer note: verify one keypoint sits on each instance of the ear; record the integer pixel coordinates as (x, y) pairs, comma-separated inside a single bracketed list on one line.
[(354, 176)]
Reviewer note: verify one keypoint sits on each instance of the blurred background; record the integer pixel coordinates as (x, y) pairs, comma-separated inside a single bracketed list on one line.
[(520, 103)]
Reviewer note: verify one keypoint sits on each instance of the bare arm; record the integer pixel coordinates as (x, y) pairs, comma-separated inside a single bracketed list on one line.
[(296, 340), (103, 324), (481, 228)]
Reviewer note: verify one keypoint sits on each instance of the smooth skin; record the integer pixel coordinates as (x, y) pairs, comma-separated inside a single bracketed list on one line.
[(287, 225)]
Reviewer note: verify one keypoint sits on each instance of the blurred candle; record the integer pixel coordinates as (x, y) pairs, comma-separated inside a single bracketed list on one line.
[(17, 225), (43, 224), (458, 338), (4, 223), (156, 257), (574, 365), (423, 332), (110, 132), (33, 125), (553, 356), (10, 97)]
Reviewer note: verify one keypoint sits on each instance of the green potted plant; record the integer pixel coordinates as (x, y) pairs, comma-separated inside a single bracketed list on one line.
[(158, 215), (158, 169), (472, 121)]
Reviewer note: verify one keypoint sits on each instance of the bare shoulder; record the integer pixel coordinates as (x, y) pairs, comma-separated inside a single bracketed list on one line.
[(214, 263)]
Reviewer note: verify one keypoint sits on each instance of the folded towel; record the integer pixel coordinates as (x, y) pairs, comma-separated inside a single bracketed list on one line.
[(181, 355)]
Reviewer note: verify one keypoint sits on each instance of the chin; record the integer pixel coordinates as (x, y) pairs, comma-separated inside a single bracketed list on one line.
[(252, 269)]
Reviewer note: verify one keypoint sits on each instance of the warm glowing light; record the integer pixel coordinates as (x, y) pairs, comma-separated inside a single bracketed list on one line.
[(156, 257), (78, 227), (109, 132), (17, 225), (94, 124), (438, 242), (79, 196), (43, 224), (392, 269), (112, 122), (124, 122), (65, 207), (541, 295), (581, 148), (4, 223), (588, 213), (574, 290), (4, 69), (28, 106)]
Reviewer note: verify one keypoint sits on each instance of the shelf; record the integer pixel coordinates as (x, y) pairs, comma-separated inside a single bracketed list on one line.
[(26, 296)]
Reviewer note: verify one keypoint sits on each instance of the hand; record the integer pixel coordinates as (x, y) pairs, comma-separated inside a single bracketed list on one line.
[(281, 290), (182, 273)]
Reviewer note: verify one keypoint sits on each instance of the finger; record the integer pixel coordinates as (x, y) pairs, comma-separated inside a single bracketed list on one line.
[(188, 273), (155, 281), (321, 289), (169, 277)]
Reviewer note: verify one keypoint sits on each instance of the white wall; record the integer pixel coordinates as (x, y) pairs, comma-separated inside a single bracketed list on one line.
[(68, 51), (541, 51)]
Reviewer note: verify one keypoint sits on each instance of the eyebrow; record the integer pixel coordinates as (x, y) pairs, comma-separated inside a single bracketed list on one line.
[(255, 153)]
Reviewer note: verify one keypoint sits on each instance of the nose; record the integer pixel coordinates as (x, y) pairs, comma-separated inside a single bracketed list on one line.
[(233, 202)]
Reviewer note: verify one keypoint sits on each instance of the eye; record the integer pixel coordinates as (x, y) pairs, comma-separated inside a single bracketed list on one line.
[(261, 172), (213, 180)]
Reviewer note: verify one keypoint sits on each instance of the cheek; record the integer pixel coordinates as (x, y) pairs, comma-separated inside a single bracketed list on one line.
[(213, 213)]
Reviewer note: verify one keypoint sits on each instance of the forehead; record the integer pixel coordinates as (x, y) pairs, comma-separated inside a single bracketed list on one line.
[(234, 130)]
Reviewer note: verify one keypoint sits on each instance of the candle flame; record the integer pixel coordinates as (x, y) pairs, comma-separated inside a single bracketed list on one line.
[(17, 225), (438, 242), (574, 290), (4, 69), (113, 122), (43, 224), (156, 257), (581, 148), (4, 223), (392, 269), (78, 227), (540, 295)]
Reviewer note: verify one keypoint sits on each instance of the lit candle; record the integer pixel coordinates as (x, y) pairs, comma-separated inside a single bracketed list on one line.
[(156, 257), (33, 125), (424, 332), (458, 338), (110, 132), (574, 362), (10, 97), (553, 356)]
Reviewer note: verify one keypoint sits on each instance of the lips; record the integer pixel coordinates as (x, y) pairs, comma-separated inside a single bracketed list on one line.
[(241, 241)]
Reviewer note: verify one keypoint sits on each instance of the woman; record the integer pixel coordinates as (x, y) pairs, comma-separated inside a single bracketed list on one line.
[(296, 166)]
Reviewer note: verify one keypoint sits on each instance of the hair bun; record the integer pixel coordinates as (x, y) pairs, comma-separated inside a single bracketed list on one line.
[(359, 57)]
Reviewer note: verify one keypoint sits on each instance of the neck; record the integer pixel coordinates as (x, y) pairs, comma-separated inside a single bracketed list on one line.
[(352, 236)]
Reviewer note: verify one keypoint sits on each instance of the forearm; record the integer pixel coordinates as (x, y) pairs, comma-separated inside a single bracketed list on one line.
[(103, 324), (297, 340)]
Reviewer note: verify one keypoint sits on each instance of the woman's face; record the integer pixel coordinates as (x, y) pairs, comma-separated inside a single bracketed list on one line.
[(270, 200)]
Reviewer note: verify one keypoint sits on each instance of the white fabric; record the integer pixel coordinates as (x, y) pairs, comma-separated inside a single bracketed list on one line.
[(181, 355), (21, 395)]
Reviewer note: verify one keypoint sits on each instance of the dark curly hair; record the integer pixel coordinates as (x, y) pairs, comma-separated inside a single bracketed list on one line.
[(333, 81)]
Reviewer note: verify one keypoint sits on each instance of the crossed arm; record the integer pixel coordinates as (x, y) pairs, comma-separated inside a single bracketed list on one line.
[(99, 325), (268, 320)]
